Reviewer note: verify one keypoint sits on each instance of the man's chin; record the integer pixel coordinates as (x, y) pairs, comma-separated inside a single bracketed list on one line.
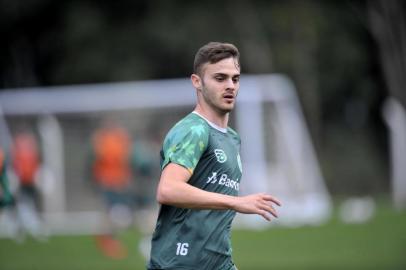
[(227, 109), (223, 108)]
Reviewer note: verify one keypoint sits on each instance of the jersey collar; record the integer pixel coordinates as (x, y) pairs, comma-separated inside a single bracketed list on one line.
[(221, 129)]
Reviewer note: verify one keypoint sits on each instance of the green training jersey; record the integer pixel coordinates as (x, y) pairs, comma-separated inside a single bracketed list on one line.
[(191, 238)]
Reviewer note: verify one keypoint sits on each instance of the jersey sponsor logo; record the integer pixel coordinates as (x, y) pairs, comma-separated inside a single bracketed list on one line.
[(220, 155), (223, 180)]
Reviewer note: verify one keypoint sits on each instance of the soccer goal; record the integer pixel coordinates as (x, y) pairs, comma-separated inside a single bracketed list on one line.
[(277, 152)]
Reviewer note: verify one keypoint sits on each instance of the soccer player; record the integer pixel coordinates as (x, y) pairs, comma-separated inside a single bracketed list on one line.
[(111, 171), (6, 198), (201, 173), (26, 162)]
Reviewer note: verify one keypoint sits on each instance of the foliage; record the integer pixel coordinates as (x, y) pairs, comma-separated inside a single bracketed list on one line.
[(326, 47)]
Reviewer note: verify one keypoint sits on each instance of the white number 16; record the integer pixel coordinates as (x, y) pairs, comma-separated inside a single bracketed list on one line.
[(182, 249)]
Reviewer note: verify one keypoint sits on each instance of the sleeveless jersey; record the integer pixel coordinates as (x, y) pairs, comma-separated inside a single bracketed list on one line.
[(191, 238)]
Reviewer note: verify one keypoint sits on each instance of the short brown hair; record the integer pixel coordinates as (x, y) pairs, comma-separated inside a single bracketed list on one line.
[(214, 52)]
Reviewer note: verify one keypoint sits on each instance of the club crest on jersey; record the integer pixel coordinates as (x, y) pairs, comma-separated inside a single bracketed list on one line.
[(220, 155)]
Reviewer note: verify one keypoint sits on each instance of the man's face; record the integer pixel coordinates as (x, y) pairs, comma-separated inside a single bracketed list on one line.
[(220, 84)]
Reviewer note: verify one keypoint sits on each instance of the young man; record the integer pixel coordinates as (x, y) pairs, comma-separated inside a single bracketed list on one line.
[(201, 173)]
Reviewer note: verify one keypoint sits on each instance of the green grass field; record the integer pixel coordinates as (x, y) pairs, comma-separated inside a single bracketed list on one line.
[(377, 244)]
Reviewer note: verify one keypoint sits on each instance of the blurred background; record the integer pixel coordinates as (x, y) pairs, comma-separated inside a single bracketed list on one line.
[(321, 114)]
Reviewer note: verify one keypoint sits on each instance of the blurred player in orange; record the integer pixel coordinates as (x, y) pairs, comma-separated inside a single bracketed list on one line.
[(111, 170), (26, 164)]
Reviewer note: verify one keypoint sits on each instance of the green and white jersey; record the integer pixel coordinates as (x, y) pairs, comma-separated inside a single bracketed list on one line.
[(189, 238)]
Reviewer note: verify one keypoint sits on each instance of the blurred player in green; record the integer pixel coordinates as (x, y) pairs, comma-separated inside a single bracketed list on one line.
[(6, 198), (7, 201), (201, 173)]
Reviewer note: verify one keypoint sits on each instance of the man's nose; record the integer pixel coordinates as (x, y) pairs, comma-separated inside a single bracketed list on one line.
[(230, 84)]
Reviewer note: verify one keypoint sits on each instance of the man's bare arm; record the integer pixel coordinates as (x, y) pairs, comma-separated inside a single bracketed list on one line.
[(173, 189)]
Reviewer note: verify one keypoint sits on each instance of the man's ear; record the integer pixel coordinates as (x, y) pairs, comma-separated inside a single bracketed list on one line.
[(196, 81)]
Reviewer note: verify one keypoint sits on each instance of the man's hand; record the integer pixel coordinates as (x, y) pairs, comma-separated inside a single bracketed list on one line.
[(261, 204)]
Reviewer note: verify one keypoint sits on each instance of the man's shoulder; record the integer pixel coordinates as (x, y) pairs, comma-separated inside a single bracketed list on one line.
[(185, 142), (191, 124), (233, 133)]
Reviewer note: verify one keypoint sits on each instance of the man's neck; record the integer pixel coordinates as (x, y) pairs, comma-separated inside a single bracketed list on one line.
[(219, 119)]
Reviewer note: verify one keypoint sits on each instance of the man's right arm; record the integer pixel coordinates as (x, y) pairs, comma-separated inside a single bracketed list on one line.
[(174, 189)]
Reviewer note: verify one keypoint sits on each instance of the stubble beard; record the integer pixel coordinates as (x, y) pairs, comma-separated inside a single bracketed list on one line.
[(211, 101)]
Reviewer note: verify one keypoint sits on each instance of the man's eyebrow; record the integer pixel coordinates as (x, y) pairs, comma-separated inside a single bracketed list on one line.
[(219, 73), (226, 75)]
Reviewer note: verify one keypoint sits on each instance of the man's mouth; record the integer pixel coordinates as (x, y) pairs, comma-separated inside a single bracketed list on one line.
[(228, 97)]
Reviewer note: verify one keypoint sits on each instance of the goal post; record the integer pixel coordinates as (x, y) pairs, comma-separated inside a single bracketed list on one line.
[(277, 152)]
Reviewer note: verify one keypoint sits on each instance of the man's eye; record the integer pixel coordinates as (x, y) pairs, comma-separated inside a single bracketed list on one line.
[(236, 79), (220, 79)]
